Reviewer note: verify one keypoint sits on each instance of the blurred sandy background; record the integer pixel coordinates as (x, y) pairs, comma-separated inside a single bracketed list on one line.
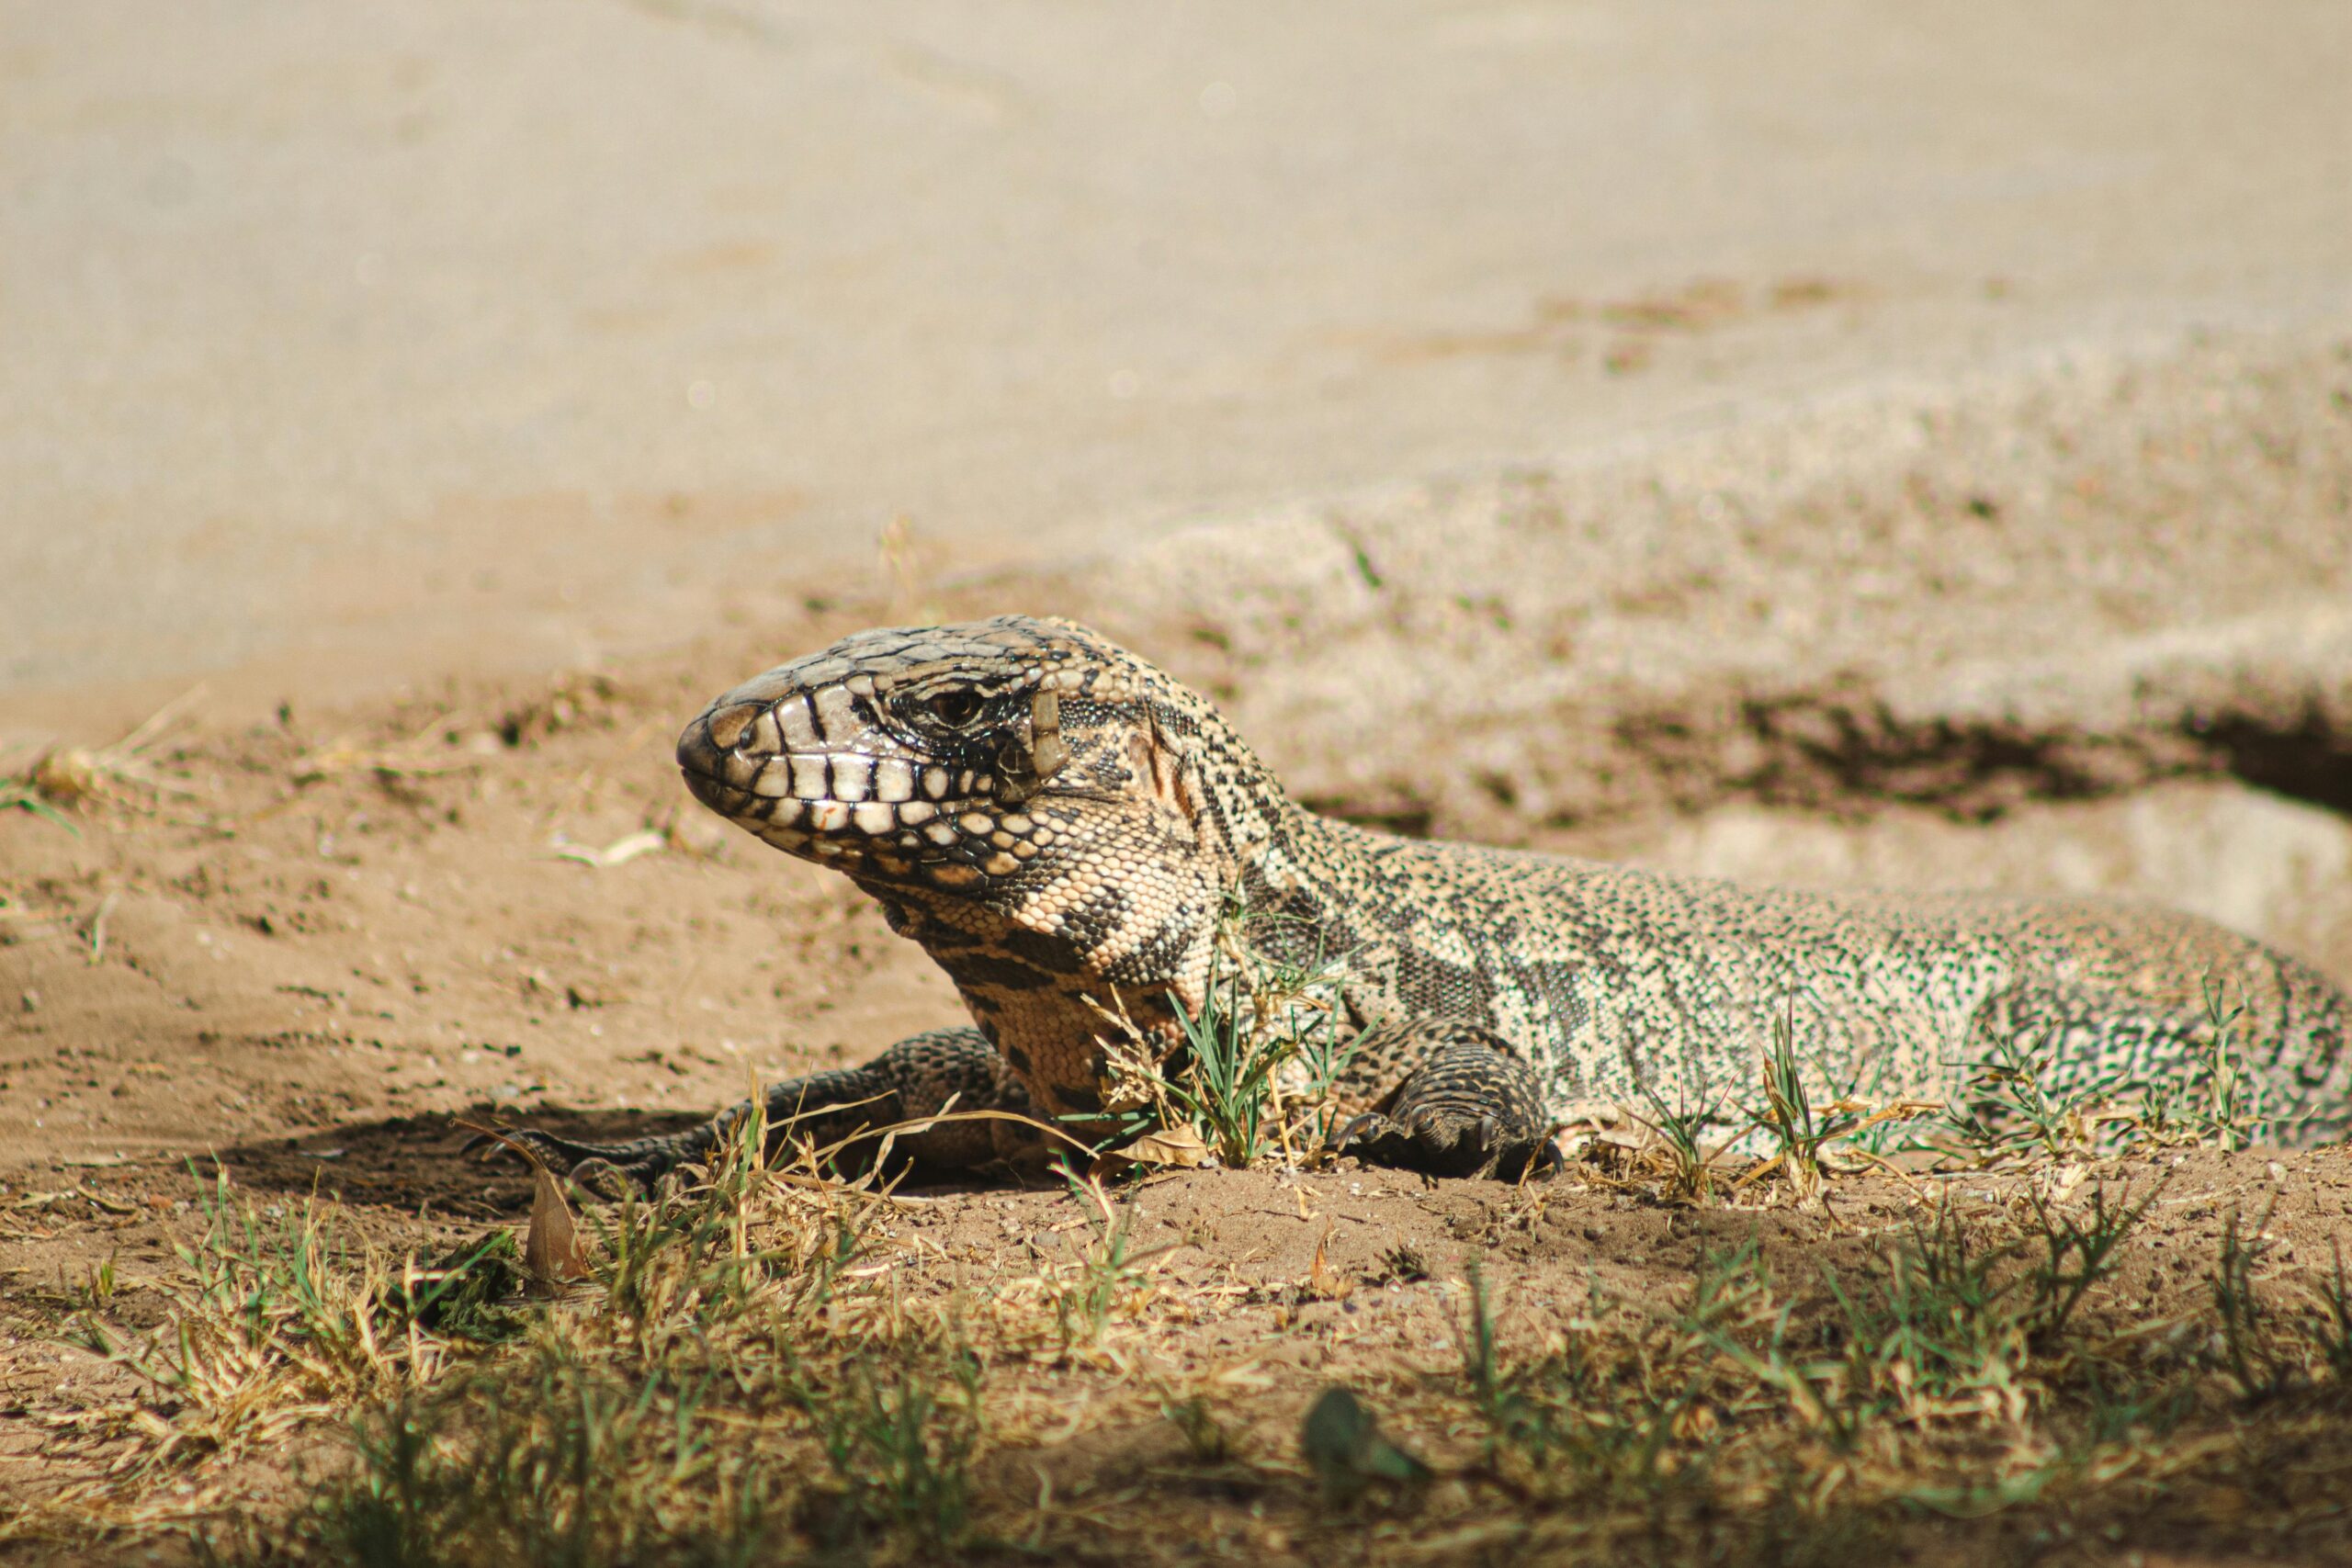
[(343, 345)]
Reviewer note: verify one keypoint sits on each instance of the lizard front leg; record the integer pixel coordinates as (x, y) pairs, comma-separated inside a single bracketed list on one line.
[(1471, 1104), (919, 1076)]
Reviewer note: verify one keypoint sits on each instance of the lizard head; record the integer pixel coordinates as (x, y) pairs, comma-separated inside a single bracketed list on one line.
[(1058, 822), (980, 760)]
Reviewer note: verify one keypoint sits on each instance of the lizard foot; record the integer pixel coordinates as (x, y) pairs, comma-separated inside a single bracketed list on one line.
[(1473, 1107), (609, 1171), (837, 1110)]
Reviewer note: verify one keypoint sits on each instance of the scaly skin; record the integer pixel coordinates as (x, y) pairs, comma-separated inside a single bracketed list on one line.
[(1061, 825)]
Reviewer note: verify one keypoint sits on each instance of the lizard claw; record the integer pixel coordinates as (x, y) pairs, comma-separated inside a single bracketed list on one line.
[(1472, 1107), (1366, 1128), (527, 1144), (612, 1182), (1422, 1139), (612, 1172), (1428, 1138)]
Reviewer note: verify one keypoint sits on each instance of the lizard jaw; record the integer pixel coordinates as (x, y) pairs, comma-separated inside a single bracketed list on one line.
[(893, 815), (923, 758)]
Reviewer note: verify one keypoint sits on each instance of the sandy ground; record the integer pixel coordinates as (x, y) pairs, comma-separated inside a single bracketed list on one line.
[(1258, 1290)]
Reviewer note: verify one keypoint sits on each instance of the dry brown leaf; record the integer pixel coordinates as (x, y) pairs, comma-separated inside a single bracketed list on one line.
[(1323, 1281), (550, 1247), (1170, 1145)]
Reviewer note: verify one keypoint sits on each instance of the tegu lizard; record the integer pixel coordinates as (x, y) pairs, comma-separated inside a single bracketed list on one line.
[(1062, 826)]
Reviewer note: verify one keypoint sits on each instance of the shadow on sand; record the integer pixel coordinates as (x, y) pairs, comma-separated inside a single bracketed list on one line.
[(412, 1163)]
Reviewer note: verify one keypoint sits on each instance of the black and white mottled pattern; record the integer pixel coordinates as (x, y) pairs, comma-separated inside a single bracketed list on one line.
[(1060, 825)]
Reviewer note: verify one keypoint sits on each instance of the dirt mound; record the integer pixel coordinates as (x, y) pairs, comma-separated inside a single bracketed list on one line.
[(2067, 583)]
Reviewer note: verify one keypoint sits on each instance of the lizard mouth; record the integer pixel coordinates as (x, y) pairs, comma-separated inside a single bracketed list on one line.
[(897, 814)]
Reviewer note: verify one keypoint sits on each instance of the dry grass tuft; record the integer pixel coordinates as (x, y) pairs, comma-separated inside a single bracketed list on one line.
[(67, 778)]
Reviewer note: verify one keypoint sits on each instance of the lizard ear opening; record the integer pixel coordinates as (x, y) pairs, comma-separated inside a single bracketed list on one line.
[(1165, 773)]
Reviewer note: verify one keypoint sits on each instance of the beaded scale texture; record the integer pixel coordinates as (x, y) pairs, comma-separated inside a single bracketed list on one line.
[(1064, 827)]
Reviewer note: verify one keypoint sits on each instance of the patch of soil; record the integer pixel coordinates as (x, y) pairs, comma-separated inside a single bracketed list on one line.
[(1265, 1287)]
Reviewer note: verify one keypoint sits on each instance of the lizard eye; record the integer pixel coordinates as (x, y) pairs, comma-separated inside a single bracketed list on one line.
[(954, 709)]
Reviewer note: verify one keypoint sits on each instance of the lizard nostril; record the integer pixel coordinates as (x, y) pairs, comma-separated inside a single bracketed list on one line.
[(727, 725)]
